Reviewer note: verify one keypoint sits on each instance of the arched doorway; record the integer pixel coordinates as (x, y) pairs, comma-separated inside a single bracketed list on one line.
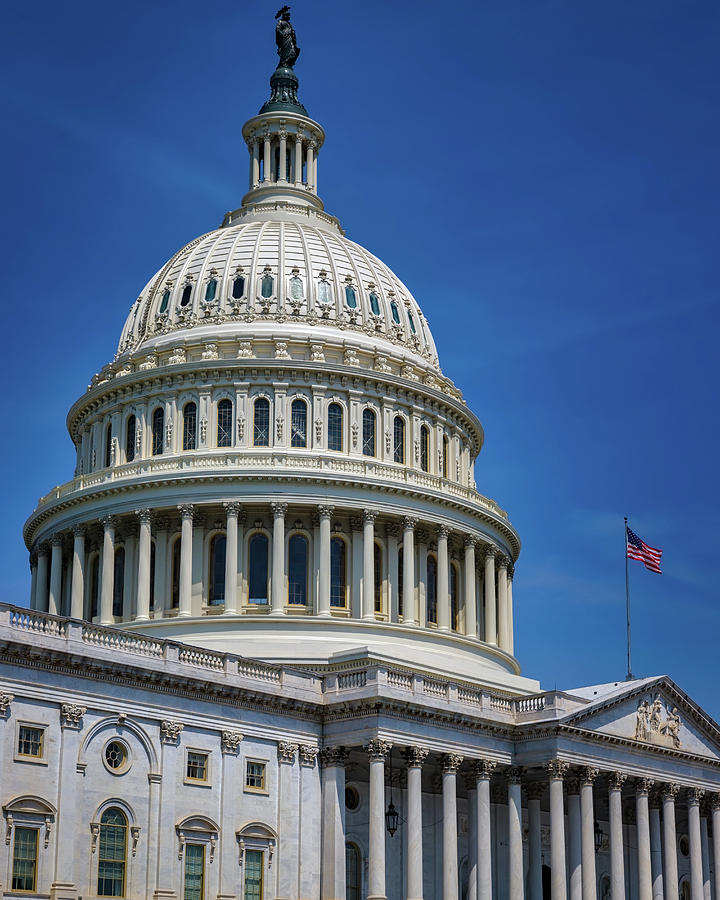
[(352, 872)]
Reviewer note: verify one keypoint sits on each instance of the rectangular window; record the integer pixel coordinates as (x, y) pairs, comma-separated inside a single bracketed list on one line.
[(30, 741), (253, 875), (24, 866), (255, 776), (197, 766), (194, 872)]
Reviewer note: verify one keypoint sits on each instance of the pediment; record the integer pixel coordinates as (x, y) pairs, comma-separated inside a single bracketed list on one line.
[(655, 714)]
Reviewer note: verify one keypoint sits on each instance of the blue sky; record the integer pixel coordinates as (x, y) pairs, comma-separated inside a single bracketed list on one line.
[(541, 173)]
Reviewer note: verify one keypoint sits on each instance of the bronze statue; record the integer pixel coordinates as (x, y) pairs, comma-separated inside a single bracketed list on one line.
[(287, 47)]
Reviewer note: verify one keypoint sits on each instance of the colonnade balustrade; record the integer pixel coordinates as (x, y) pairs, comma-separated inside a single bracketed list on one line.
[(574, 869), (357, 563)]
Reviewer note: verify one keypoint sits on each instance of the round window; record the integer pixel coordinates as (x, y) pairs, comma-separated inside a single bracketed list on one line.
[(684, 844), (352, 798), (116, 756)]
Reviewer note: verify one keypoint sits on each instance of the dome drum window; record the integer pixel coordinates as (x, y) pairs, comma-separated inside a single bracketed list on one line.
[(350, 296), (296, 286), (298, 423), (374, 303), (165, 301), (238, 287), (324, 289), (211, 290), (267, 284), (186, 295)]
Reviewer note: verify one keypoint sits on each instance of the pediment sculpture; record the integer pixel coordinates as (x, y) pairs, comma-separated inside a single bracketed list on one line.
[(650, 726)]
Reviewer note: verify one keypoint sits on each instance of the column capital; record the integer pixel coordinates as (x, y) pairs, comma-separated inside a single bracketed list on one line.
[(308, 755), (714, 801), (56, 540), (469, 541), (491, 552), (442, 531), (409, 523), (145, 516), (187, 510), (535, 790), (415, 756), (695, 796), (588, 774), (108, 522), (42, 548), (451, 762), (502, 561), (378, 749), (557, 768), (286, 752), (325, 512), (616, 780), (232, 508), (369, 516), (482, 769), (79, 531), (643, 786), (279, 510), (514, 774), (572, 783), (356, 523), (334, 756), (669, 791)]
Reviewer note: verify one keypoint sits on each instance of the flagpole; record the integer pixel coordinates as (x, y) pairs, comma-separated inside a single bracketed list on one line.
[(627, 607)]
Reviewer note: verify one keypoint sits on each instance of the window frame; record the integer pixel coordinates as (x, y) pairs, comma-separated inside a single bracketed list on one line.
[(39, 759), (333, 405), (297, 403), (334, 540), (227, 427), (186, 431), (211, 551), (262, 602), (126, 827), (203, 874), (399, 449), (368, 415), (264, 400), (251, 789), (303, 536), (191, 779), (424, 448), (35, 859), (158, 440), (130, 432)]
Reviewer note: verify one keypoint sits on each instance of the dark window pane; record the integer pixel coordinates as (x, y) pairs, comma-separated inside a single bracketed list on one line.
[(224, 424), (431, 589), (261, 425), (350, 296), (158, 429), (454, 607), (424, 448), (298, 424), (258, 578), (119, 581), (400, 581), (210, 290), (189, 426), (337, 572), (297, 569), (238, 288), (395, 312), (335, 427), (445, 451), (378, 577), (186, 295), (164, 302), (267, 286), (175, 600), (412, 322), (399, 439), (94, 586), (368, 432), (374, 304), (130, 436), (216, 587)]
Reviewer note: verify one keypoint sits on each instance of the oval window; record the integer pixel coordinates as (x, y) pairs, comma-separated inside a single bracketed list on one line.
[(186, 295), (116, 756), (374, 304), (211, 290), (395, 312), (324, 291), (165, 300), (350, 296), (296, 288), (267, 286)]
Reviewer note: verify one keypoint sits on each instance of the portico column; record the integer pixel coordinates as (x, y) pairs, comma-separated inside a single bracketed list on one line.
[(255, 163), (587, 813), (368, 582), (186, 539), (33, 579), (377, 751), (332, 853), (574, 837), (656, 872), (159, 587), (715, 806), (41, 589), (421, 539), (267, 172), (669, 793), (310, 163), (278, 560), (55, 596), (617, 861), (143, 584), (108, 571), (283, 156), (503, 632), (695, 795), (511, 623), (534, 794), (482, 770), (415, 757), (298, 159), (409, 610), (470, 598), (642, 788), (450, 764), (325, 513), (556, 769), (705, 847), (77, 591), (490, 600), (443, 583), (515, 850), (232, 511)]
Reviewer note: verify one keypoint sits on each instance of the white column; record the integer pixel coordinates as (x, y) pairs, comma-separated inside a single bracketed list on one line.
[(443, 582), (415, 757), (325, 513), (357, 567), (77, 595), (715, 806), (278, 559), (469, 579), (490, 600), (289, 818), (391, 535), (255, 164), (515, 841), (450, 764), (558, 885), (483, 769), (232, 511), (332, 855), (409, 610), (129, 542), (534, 881), (656, 851), (669, 793), (267, 171), (422, 550), (503, 630), (144, 547), (587, 812), (55, 595), (186, 539), (642, 788), (705, 846), (368, 579), (377, 751), (695, 795), (298, 159), (33, 579), (282, 171), (616, 780), (574, 838), (41, 591), (511, 623), (310, 163), (108, 571), (161, 563)]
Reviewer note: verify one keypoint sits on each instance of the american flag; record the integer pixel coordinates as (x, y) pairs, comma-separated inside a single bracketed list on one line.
[(638, 549)]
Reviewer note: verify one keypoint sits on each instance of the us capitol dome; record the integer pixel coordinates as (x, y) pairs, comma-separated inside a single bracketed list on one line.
[(274, 462)]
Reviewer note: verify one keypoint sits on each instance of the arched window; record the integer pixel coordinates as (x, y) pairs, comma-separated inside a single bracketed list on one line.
[(298, 424), (431, 614), (108, 445), (112, 854), (324, 291), (350, 296), (377, 577), (190, 426), (258, 576), (94, 586), (368, 432), (224, 423), (266, 286), (400, 580), (261, 422), (165, 300), (216, 581), (352, 872), (338, 577), (454, 605), (395, 312), (424, 448), (238, 287), (186, 295), (399, 439), (158, 429), (130, 437), (335, 427), (297, 569), (211, 290), (445, 452), (374, 303), (175, 598), (296, 288), (119, 581)]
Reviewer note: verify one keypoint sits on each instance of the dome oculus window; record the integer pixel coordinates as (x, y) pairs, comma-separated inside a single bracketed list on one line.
[(238, 287), (211, 290), (352, 798), (165, 300), (374, 304), (296, 288), (395, 312), (324, 291), (116, 757), (186, 295), (266, 286)]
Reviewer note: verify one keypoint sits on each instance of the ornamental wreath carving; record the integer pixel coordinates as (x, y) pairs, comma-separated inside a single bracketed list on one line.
[(650, 726), (71, 715), (170, 731)]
